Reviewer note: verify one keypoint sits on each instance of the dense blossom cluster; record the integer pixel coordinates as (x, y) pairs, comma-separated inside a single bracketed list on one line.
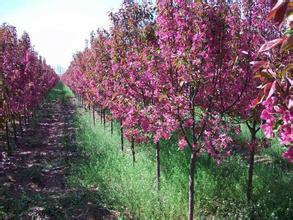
[(181, 66), (25, 78), (275, 72)]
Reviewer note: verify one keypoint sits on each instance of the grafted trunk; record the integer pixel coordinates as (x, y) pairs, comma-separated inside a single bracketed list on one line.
[(158, 165), (191, 193)]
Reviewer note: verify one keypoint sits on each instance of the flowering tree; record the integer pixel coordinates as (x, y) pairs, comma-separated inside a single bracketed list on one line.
[(24, 78), (187, 71), (275, 72)]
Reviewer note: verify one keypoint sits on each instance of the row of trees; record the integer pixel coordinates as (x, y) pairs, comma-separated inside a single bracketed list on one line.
[(25, 79), (187, 67)]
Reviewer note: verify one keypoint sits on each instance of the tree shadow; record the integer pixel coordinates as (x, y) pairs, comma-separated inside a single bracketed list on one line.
[(33, 180)]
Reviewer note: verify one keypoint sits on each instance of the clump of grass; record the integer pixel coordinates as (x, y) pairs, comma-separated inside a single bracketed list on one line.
[(220, 190), (59, 92)]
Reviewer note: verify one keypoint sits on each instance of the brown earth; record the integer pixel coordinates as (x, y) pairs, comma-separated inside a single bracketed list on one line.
[(33, 180)]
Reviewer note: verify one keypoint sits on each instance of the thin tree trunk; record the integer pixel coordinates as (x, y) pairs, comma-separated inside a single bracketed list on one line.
[(20, 126), (14, 131), (122, 136), (94, 117), (104, 117), (253, 132), (133, 151), (192, 169), (111, 126), (101, 116), (158, 165), (9, 150), (250, 176)]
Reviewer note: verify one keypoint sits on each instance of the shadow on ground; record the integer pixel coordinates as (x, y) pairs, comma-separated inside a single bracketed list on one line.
[(33, 181)]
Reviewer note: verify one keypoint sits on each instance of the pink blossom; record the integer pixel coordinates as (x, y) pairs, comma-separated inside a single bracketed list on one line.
[(182, 143), (267, 130)]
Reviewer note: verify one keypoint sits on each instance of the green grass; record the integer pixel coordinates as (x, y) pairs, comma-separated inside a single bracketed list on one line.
[(59, 92), (103, 176), (220, 190)]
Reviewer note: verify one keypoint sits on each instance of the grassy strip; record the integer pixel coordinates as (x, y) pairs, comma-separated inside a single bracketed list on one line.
[(220, 190), (59, 92)]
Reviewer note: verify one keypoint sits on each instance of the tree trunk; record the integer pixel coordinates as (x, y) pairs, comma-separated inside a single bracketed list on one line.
[(111, 126), (14, 131), (122, 136), (158, 165), (94, 119), (253, 132), (20, 126), (101, 116), (192, 169), (9, 150), (104, 117), (133, 151)]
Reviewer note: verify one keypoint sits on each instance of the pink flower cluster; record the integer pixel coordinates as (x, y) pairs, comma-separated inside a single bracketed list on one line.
[(25, 78), (180, 66)]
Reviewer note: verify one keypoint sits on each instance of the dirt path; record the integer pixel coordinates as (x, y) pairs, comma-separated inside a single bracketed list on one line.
[(33, 181)]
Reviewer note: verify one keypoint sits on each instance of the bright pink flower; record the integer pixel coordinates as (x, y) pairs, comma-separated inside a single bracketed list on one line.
[(182, 143), (267, 130), (266, 115)]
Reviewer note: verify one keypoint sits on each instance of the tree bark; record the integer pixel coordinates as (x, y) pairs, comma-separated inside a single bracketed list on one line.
[(111, 126), (9, 150), (14, 131), (133, 151), (253, 132), (20, 126), (94, 118), (104, 118), (192, 168), (158, 165), (122, 136)]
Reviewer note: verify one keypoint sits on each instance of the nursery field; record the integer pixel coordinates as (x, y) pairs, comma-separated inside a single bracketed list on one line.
[(178, 109), (70, 168)]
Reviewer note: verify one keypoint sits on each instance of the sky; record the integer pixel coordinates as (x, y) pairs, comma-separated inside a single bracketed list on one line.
[(57, 28)]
